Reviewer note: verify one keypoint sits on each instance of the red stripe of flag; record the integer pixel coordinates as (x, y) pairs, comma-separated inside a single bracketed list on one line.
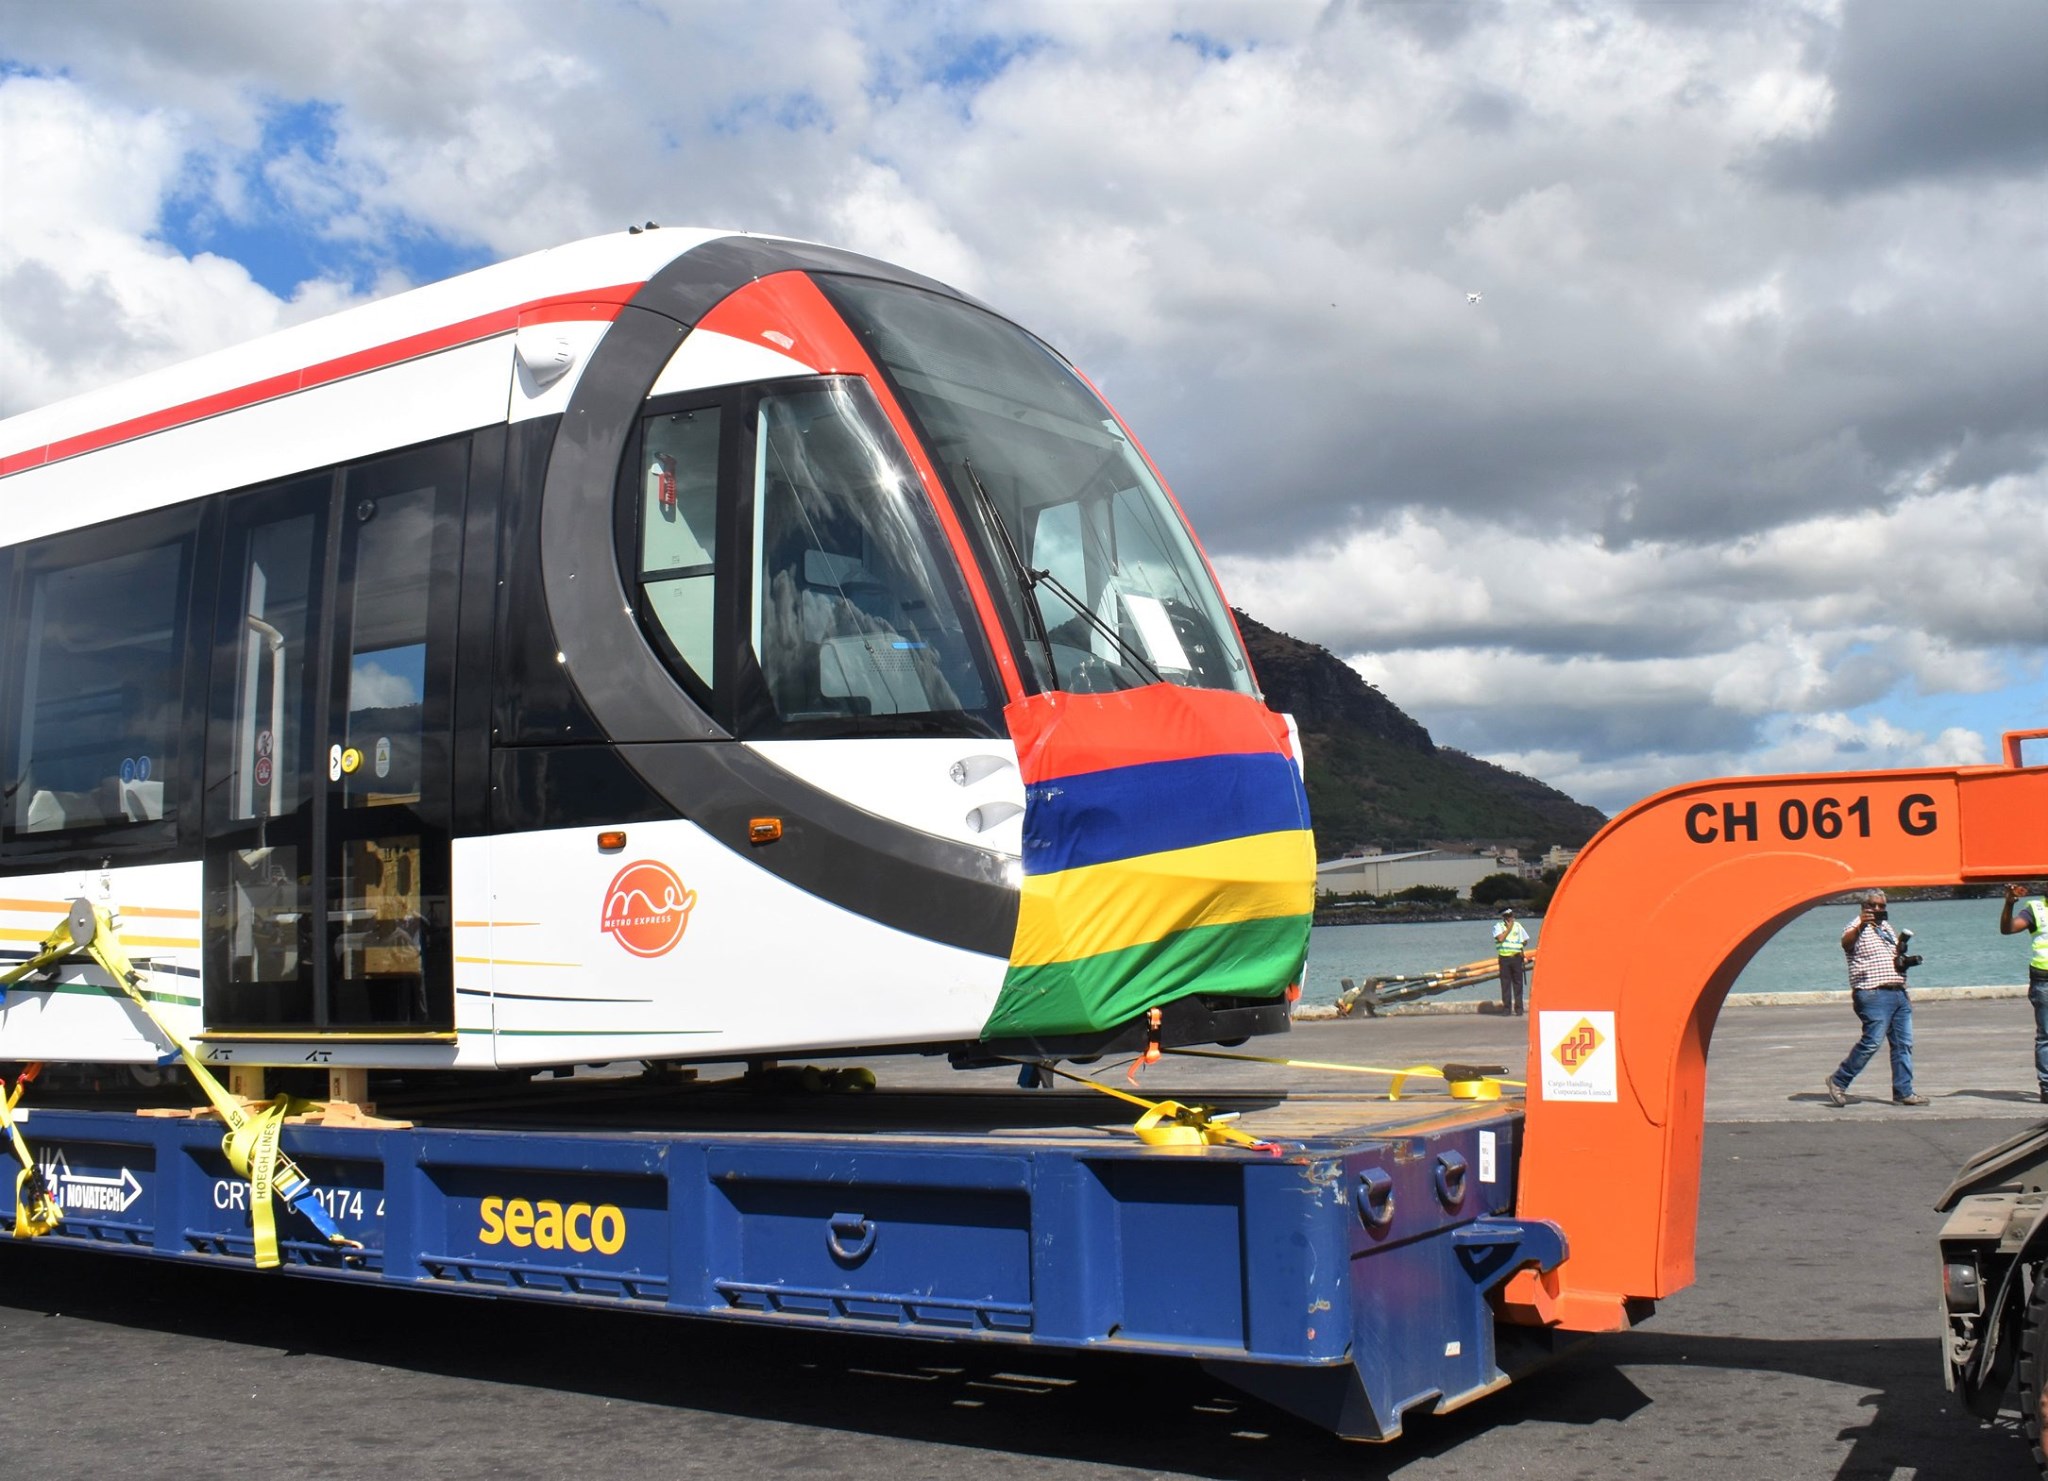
[(1071, 734)]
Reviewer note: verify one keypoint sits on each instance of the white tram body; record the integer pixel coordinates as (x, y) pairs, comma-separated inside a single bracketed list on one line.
[(623, 653)]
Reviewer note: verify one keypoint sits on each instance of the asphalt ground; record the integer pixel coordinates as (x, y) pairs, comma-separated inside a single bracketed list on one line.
[(1806, 1348)]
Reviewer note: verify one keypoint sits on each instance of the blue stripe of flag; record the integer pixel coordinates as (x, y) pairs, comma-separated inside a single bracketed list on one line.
[(1127, 811)]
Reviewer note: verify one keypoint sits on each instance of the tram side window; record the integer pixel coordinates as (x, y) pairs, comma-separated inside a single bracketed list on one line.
[(857, 612), (679, 532), (99, 649)]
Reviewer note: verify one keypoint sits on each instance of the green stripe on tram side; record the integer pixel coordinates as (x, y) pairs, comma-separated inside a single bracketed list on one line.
[(91, 990), (1237, 959), (94, 990)]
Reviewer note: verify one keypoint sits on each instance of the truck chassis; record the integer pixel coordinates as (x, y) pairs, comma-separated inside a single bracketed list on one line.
[(1994, 1280)]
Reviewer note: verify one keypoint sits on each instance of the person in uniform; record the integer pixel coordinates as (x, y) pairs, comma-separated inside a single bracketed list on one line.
[(1877, 986), (1511, 941), (2028, 914)]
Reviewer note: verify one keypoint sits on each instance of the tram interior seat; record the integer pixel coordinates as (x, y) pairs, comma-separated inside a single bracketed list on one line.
[(877, 670), (45, 812), (143, 802), (51, 810), (865, 666)]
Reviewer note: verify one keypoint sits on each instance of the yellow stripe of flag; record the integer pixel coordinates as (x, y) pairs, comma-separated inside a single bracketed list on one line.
[(1105, 907)]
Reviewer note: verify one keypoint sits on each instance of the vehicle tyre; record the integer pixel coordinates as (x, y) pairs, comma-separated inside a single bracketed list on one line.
[(2034, 1366)]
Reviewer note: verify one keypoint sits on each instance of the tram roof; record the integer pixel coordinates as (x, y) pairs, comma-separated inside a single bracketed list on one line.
[(473, 305)]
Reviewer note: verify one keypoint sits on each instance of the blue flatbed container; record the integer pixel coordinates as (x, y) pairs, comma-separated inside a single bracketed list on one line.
[(1345, 1277)]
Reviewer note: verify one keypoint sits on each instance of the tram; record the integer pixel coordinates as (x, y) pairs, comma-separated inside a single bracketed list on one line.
[(676, 645)]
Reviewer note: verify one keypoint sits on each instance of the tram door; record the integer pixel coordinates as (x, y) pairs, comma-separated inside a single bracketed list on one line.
[(327, 807)]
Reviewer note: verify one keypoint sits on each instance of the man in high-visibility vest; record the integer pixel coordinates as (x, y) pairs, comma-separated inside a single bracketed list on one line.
[(2029, 914), (1510, 940)]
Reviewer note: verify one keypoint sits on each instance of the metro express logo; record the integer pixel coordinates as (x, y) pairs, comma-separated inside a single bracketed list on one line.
[(1578, 1046), (646, 908)]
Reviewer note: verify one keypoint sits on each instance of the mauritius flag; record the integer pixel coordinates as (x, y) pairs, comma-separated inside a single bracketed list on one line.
[(1167, 852)]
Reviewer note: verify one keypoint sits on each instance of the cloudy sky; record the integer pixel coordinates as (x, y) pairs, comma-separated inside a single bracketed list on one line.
[(1738, 463)]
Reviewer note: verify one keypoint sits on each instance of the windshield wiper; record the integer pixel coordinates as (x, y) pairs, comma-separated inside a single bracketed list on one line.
[(1029, 580)]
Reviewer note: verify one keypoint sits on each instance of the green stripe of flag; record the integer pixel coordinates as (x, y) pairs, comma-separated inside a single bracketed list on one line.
[(1238, 959)]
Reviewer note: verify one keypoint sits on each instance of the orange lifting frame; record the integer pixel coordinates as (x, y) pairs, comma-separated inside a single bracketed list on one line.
[(1653, 922)]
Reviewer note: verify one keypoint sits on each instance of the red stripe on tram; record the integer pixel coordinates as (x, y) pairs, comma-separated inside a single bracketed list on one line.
[(601, 304)]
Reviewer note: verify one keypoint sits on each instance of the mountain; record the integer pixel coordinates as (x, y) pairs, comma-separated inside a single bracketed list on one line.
[(1375, 776)]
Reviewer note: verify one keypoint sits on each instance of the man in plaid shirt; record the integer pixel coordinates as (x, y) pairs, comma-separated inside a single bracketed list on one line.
[(1878, 989)]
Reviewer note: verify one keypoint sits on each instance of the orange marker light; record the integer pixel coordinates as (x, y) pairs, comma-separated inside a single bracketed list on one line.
[(612, 841), (763, 830)]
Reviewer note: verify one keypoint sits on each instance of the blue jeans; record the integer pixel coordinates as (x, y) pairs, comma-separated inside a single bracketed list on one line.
[(2037, 995), (1885, 1011)]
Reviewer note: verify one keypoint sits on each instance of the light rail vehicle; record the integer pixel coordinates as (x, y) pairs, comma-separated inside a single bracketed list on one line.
[(677, 645)]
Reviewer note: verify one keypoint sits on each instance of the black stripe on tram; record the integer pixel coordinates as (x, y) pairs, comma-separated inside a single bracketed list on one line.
[(932, 887)]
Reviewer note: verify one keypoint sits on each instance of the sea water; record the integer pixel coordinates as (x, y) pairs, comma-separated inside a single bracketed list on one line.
[(1959, 938)]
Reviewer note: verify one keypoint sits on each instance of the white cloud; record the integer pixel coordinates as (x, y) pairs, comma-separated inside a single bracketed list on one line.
[(1732, 465), (1828, 742), (90, 295), (1788, 651), (371, 686), (879, 214)]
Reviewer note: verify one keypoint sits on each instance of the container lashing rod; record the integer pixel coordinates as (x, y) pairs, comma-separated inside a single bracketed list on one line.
[(251, 1141)]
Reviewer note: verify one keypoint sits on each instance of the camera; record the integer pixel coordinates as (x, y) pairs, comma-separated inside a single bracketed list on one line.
[(1901, 959)]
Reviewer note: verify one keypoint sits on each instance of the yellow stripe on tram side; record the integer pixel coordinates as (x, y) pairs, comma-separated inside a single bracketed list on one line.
[(1100, 908), (506, 961), (149, 912), (188, 943)]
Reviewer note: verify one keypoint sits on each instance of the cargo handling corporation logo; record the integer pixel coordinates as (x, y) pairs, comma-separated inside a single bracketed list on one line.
[(1578, 1046), (646, 908)]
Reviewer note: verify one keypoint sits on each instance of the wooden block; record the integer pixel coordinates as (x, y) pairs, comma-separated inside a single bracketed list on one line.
[(348, 1113)]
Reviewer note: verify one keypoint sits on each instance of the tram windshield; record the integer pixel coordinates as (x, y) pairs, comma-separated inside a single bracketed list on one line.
[(1102, 578), (856, 616)]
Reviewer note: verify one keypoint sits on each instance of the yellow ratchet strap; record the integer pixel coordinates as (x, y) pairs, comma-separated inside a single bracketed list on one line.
[(250, 1144), (1465, 1083), (1168, 1123), (35, 1210), (252, 1151)]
